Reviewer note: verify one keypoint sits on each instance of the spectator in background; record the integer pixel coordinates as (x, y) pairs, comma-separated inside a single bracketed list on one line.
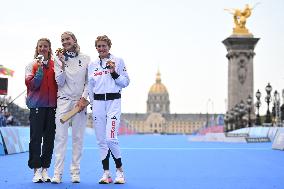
[(2, 120), (9, 119)]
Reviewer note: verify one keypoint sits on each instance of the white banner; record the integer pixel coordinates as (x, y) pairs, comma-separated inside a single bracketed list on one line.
[(278, 143)]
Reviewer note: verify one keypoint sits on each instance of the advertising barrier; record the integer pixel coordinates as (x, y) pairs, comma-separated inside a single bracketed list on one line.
[(15, 139)]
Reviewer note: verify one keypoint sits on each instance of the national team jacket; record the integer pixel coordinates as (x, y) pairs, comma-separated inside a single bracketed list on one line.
[(100, 79), (73, 81), (41, 85)]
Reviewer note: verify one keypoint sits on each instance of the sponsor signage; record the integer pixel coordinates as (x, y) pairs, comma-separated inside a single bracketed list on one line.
[(257, 139), (237, 134)]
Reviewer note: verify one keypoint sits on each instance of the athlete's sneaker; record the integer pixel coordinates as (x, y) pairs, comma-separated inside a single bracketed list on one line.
[(37, 176), (119, 177), (106, 178), (75, 176), (45, 176), (56, 179)]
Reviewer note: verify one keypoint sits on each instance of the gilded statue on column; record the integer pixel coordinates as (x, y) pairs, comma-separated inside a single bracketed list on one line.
[(240, 19)]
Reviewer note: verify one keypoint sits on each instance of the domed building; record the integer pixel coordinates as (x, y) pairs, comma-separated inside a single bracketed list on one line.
[(158, 97), (158, 118)]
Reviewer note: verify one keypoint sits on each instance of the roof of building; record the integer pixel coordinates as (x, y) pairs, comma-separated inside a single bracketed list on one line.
[(158, 87), (134, 116)]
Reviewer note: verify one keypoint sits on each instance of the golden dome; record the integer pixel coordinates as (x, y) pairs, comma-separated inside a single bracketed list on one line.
[(158, 87)]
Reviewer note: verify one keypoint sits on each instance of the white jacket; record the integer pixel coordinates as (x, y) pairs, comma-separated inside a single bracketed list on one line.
[(100, 79), (73, 81)]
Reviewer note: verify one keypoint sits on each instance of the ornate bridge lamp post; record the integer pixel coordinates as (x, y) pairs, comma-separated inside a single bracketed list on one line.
[(242, 112), (231, 120), (226, 120), (249, 102), (236, 114), (257, 105), (268, 89), (277, 108), (282, 108)]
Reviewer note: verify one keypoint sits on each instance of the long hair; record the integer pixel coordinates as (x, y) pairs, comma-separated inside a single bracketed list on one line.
[(76, 45), (49, 43)]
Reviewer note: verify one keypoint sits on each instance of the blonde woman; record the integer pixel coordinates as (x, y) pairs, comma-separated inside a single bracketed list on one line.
[(41, 100), (107, 76), (71, 76)]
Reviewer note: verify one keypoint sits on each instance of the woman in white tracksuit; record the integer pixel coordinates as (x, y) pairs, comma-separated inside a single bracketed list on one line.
[(71, 75), (107, 76)]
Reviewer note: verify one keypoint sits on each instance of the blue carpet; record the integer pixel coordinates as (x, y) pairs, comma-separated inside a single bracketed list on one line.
[(164, 162)]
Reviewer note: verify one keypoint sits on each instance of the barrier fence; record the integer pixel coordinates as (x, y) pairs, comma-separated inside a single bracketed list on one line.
[(14, 140)]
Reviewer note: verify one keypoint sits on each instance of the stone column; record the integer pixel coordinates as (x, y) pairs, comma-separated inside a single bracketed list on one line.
[(240, 68)]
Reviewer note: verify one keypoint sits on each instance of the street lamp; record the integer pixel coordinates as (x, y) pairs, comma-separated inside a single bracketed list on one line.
[(257, 105), (241, 112), (207, 116), (277, 108), (249, 102), (235, 112), (268, 89), (226, 120), (231, 120), (3, 103), (282, 108)]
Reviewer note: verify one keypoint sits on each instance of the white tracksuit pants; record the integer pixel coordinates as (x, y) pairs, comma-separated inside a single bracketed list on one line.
[(106, 119), (78, 125)]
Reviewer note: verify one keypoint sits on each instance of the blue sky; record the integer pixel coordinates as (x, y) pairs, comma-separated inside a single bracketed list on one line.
[(183, 38)]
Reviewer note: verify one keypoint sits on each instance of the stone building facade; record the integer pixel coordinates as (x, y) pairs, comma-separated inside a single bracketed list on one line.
[(158, 118)]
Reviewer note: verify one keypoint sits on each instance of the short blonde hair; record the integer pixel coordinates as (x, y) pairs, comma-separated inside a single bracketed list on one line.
[(103, 38), (49, 43), (76, 45)]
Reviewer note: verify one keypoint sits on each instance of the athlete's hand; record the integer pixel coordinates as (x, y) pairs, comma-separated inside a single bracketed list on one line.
[(59, 53), (82, 103), (111, 66), (37, 62)]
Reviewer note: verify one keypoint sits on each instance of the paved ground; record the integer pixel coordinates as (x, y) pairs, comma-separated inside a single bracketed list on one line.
[(165, 162)]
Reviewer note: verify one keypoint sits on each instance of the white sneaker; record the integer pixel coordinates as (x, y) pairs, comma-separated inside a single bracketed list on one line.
[(119, 177), (106, 178), (37, 176), (75, 177), (56, 178), (45, 176)]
